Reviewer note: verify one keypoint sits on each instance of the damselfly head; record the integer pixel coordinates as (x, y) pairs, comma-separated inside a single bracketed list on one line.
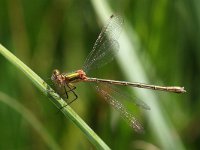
[(55, 74), (57, 78)]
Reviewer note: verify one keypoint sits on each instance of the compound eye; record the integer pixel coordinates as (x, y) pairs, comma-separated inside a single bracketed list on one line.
[(56, 72)]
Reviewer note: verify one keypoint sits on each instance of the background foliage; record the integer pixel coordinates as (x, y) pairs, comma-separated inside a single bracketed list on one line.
[(59, 34)]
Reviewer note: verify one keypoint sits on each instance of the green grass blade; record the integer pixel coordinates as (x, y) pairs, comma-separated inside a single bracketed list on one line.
[(129, 45), (55, 99), (27, 115)]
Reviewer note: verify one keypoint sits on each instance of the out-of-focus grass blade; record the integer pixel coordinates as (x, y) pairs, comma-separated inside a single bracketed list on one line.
[(128, 51), (27, 115)]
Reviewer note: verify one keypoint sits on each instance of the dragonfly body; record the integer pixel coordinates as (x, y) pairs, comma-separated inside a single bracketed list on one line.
[(80, 75), (104, 50)]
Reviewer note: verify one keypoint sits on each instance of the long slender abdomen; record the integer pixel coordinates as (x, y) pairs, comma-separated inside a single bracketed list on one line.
[(175, 89)]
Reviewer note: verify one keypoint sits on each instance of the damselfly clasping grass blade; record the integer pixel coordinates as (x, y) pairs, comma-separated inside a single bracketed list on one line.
[(104, 50)]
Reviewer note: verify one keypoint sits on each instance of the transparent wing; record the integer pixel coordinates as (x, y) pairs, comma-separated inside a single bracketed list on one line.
[(106, 45), (123, 95), (110, 97)]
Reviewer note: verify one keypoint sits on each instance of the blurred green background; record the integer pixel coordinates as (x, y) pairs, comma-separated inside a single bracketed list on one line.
[(49, 34)]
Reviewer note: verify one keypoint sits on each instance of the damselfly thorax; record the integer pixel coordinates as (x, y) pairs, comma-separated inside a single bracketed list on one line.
[(62, 79)]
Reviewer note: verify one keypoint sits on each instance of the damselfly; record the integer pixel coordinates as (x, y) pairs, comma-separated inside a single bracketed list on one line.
[(104, 50)]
